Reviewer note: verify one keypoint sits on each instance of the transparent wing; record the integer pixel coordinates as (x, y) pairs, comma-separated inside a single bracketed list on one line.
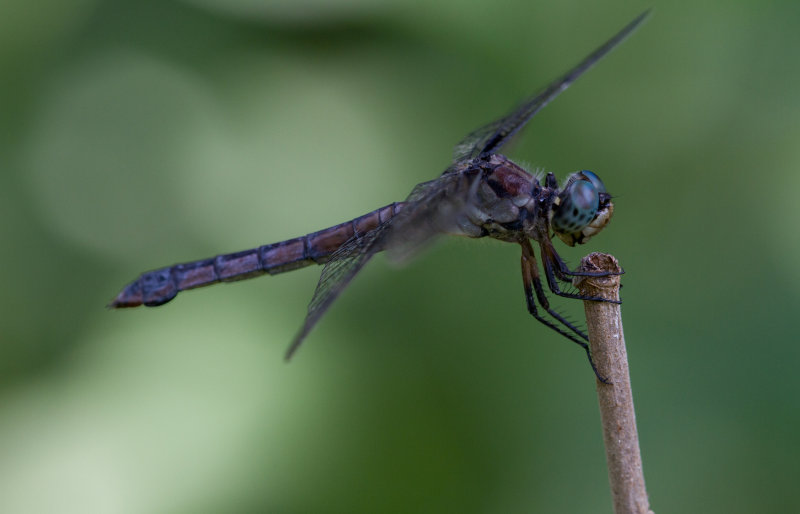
[(432, 208), (489, 138), (440, 206), (337, 273)]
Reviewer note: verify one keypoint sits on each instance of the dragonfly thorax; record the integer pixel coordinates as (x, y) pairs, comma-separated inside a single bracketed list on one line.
[(581, 209)]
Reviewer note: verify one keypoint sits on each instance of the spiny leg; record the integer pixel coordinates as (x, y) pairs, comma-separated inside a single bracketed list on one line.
[(563, 272), (531, 282), (555, 268), (530, 276)]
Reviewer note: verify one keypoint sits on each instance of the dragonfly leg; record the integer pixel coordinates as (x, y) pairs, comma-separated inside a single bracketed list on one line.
[(555, 269), (531, 282), (563, 272)]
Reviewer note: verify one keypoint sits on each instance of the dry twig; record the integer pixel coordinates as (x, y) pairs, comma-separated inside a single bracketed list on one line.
[(607, 343)]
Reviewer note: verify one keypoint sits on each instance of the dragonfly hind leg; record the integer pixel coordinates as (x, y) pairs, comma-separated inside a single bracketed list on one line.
[(531, 282)]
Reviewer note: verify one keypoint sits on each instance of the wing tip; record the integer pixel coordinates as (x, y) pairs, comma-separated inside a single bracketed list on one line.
[(287, 357)]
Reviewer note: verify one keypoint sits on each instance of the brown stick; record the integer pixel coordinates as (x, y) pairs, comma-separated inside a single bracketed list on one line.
[(607, 344)]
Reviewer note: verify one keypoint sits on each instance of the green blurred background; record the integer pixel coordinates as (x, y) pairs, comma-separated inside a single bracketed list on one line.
[(136, 134)]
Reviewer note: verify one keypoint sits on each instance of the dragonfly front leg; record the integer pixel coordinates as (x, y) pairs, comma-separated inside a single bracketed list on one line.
[(555, 268), (531, 282)]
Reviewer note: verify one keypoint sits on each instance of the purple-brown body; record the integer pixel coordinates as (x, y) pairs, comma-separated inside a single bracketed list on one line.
[(507, 202), (157, 287)]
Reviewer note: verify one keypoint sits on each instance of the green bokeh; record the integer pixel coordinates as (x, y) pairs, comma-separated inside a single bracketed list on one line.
[(137, 134)]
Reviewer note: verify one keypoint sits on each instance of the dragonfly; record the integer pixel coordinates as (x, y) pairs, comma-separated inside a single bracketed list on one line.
[(481, 194)]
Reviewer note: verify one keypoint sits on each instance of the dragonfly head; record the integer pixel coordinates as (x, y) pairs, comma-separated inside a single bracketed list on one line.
[(581, 209)]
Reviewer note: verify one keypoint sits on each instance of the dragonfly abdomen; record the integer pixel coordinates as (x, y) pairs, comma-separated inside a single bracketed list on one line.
[(157, 287)]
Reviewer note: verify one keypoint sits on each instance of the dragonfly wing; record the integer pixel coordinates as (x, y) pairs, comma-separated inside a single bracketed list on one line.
[(436, 207), (489, 138), (431, 209), (337, 273)]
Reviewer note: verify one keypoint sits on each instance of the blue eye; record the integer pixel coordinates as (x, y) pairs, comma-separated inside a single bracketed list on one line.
[(579, 203), (594, 179)]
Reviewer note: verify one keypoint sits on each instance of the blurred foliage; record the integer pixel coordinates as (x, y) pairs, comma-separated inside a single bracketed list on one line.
[(136, 134)]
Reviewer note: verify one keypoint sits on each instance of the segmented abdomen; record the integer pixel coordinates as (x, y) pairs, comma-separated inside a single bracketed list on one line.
[(159, 286)]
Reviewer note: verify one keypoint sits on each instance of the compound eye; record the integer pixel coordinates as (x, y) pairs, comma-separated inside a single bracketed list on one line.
[(584, 196), (594, 179), (578, 207)]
